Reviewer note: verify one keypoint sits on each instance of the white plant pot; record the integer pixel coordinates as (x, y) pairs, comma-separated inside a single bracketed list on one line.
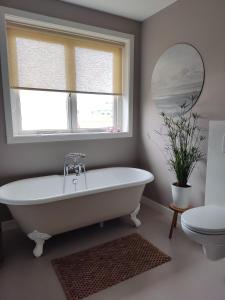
[(181, 196)]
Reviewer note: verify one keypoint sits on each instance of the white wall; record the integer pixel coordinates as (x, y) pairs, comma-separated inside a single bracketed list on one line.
[(215, 178)]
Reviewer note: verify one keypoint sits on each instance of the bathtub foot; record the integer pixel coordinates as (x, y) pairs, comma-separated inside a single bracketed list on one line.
[(39, 238), (134, 218)]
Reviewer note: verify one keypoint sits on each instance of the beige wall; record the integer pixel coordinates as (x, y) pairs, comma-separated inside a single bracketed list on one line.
[(202, 24), (33, 159)]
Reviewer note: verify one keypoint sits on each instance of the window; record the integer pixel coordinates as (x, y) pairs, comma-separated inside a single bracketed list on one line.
[(44, 112), (64, 82), (35, 111)]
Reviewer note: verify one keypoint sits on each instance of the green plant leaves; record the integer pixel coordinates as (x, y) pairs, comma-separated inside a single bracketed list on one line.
[(184, 144)]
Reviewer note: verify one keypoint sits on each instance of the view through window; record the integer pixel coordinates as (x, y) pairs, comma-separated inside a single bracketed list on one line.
[(59, 111)]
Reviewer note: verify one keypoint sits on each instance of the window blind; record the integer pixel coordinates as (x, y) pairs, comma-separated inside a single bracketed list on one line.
[(42, 59)]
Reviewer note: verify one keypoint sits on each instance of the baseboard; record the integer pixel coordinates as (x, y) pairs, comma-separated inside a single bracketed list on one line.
[(159, 208)]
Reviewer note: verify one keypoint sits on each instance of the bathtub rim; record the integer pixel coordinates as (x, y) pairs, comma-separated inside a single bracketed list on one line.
[(50, 199)]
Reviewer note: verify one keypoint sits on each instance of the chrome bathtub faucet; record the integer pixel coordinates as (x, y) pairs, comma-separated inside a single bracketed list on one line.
[(73, 164)]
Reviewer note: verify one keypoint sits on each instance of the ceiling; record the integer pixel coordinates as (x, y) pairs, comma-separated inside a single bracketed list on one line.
[(134, 9)]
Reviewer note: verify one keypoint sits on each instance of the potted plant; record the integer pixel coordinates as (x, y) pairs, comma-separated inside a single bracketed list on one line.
[(183, 146)]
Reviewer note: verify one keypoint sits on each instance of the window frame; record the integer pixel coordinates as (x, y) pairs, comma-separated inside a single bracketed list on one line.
[(71, 121), (124, 109)]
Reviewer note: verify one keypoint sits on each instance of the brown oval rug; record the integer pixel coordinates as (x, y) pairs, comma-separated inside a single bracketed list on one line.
[(90, 271)]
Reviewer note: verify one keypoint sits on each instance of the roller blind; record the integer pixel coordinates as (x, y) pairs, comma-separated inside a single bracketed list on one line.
[(42, 59)]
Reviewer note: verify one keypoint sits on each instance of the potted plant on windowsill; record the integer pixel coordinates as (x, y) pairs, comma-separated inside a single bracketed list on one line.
[(183, 146)]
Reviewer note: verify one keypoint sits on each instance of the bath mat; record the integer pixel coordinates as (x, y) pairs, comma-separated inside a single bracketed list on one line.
[(90, 271)]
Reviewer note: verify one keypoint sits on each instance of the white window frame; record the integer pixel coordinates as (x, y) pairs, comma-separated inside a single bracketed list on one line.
[(77, 28)]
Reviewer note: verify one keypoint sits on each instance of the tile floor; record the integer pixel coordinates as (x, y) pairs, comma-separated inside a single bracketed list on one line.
[(188, 276)]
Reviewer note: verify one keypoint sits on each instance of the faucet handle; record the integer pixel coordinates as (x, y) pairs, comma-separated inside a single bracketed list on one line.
[(81, 155), (74, 157)]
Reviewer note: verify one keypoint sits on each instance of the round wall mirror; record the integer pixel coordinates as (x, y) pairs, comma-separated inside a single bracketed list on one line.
[(178, 79)]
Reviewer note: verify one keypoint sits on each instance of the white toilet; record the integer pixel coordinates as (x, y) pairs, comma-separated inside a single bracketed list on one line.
[(206, 226)]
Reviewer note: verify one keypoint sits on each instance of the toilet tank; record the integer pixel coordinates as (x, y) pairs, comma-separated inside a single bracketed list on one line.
[(215, 178)]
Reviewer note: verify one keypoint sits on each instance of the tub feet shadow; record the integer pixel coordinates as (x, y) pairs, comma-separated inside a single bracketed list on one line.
[(133, 216), (39, 239)]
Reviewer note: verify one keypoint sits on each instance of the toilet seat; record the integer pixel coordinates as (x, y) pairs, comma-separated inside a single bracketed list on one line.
[(208, 220)]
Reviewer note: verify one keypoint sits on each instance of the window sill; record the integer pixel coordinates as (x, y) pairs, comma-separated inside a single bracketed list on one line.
[(42, 138)]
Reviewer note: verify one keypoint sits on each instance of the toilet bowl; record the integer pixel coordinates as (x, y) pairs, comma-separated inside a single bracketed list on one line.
[(206, 226)]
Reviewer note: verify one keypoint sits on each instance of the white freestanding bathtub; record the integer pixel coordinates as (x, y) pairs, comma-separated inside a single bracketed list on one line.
[(46, 206)]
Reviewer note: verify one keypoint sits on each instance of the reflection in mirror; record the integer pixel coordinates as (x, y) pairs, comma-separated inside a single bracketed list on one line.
[(178, 79)]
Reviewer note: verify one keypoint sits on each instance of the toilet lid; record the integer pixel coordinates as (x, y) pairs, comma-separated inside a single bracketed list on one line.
[(205, 219)]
